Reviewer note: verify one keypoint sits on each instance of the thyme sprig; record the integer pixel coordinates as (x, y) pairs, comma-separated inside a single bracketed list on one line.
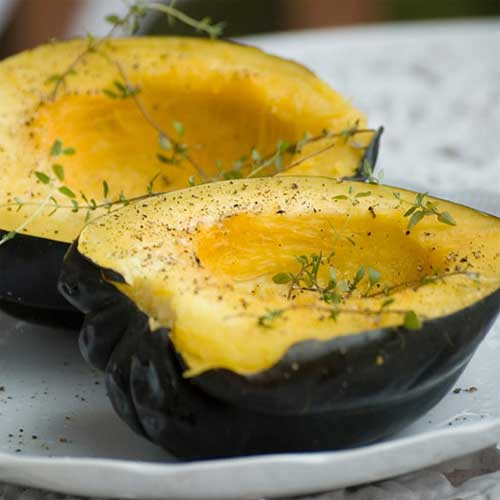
[(335, 293), (352, 196), (77, 202), (332, 291), (178, 151), (423, 281), (121, 91), (12, 234), (130, 23), (368, 173), (56, 151), (204, 25), (411, 320), (254, 163), (306, 279), (423, 207), (122, 88)]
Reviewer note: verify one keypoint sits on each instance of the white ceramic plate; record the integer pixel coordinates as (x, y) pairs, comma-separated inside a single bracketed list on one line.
[(54, 411)]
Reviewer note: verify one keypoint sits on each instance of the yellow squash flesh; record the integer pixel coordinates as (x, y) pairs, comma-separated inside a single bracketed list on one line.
[(230, 99), (201, 261)]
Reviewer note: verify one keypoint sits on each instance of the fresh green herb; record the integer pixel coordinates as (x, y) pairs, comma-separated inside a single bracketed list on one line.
[(255, 163), (105, 189), (352, 196), (367, 170), (177, 151), (58, 170), (373, 278), (307, 276), (43, 178), (332, 292), (7, 237), (41, 207), (137, 11), (423, 281), (360, 274), (66, 191), (283, 278), (149, 187), (179, 128), (387, 303), (164, 142), (266, 320), (56, 148), (412, 321), (86, 204), (121, 91), (423, 207), (130, 23)]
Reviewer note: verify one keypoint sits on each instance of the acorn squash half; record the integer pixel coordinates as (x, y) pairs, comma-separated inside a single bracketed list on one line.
[(102, 124), (210, 351)]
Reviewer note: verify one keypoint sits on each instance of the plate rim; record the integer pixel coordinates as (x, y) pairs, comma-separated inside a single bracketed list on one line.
[(175, 480)]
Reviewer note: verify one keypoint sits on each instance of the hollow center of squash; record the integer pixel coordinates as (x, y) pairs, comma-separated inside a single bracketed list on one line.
[(246, 248), (115, 142)]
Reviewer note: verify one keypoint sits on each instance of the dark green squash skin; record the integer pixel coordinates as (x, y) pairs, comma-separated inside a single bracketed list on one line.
[(30, 267), (370, 156), (319, 396)]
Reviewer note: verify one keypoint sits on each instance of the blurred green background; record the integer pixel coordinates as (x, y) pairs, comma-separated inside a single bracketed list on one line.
[(257, 16), (26, 23)]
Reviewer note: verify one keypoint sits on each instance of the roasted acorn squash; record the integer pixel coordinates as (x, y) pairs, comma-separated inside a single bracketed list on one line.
[(220, 98), (210, 347)]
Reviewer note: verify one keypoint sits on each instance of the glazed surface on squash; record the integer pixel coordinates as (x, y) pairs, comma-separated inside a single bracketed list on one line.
[(229, 98), (202, 261)]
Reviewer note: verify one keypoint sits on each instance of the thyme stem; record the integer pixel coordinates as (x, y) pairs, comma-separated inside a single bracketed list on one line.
[(93, 46), (204, 25), (421, 282), (135, 11), (267, 160), (45, 203), (266, 319), (309, 156), (342, 310), (32, 217), (154, 124)]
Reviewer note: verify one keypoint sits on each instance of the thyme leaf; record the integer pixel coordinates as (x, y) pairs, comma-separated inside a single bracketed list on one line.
[(423, 207), (411, 321)]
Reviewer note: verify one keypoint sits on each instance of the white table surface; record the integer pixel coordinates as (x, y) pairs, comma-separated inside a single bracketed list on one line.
[(436, 89)]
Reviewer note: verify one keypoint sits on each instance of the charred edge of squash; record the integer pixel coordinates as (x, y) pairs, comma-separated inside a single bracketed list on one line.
[(320, 395)]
